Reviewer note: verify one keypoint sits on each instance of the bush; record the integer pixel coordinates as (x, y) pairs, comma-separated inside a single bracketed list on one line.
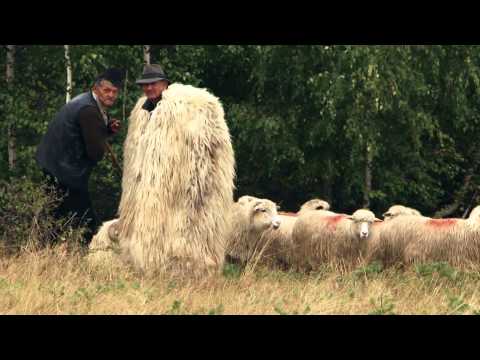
[(26, 219)]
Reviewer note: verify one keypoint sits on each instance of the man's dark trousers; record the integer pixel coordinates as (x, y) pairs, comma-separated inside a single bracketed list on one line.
[(76, 205)]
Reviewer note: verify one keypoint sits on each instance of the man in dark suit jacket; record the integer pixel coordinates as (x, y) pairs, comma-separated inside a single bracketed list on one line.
[(74, 143)]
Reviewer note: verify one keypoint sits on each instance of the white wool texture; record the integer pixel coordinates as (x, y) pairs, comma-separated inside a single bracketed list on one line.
[(246, 239), (178, 181), (278, 252), (103, 251), (398, 210), (322, 236), (411, 239)]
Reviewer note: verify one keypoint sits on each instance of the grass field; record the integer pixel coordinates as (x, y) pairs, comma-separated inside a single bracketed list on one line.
[(53, 281)]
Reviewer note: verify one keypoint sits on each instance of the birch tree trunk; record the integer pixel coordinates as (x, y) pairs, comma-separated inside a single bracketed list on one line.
[(146, 54), (11, 133), (68, 66)]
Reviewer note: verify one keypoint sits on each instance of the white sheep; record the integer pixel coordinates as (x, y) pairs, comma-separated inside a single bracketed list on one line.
[(314, 204), (410, 239), (104, 249), (377, 249), (245, 199), (248, 223), (322, 236), (278, 251), (397, 210)]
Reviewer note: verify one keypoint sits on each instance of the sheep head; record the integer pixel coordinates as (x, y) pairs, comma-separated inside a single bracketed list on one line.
[(362, 220), (397, 210), (315, 204), (264, 215), (474, 216), (245, 199), (113, 231)]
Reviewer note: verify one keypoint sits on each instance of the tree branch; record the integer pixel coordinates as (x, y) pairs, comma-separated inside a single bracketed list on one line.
[(459, 197)]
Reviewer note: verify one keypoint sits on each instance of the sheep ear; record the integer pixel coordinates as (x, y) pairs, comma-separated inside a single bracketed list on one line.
[(257, 205), (378, 220)]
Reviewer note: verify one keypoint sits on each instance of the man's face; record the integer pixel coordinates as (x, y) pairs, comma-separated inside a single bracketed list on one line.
[(106, 92), (153, 91)]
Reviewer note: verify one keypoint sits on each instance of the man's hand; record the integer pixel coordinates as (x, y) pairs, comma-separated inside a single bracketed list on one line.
[(114, 126)]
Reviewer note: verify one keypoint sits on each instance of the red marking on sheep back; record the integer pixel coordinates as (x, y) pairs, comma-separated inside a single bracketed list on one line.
[(441, 223), (287, 214), (332, 221)]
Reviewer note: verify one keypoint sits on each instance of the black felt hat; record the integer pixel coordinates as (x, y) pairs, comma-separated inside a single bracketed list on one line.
[(152, 73)]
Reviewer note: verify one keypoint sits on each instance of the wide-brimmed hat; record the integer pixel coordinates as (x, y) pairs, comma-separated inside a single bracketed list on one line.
[(152, 73)]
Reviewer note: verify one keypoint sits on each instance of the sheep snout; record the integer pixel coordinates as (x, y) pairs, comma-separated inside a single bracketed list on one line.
[(276, 222), (364, 230)]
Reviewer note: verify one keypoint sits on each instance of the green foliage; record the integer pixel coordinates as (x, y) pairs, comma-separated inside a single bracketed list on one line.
[(301, 117), (232, 271), (175, 308), (373, 268), (383, 306), (440, 269), (279, 310), (457, 305), (218, 310), (26, 220)]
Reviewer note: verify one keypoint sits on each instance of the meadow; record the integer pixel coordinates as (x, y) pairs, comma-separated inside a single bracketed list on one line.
[(57, 280)]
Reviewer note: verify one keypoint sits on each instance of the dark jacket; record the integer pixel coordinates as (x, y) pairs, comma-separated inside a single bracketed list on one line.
[(74, 142)]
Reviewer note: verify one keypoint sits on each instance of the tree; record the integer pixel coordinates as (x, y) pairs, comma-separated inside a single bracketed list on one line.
[(356, 125), (68, 67), (146, 54), (11, 132)]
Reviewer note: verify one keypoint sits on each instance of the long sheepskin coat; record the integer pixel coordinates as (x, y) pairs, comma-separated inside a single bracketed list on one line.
[(177, 185)]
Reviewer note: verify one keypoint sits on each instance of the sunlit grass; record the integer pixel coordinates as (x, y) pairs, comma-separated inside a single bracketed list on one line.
[(54, 281)]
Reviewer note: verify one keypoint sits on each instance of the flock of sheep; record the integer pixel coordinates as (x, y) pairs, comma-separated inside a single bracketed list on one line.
[(177, 209), (314, 236)]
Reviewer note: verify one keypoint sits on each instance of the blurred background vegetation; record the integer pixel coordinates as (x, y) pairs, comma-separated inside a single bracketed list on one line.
[(359, 126)]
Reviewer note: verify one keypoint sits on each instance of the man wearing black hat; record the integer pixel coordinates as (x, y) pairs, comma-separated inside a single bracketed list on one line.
[(153, 82), (75, 142)]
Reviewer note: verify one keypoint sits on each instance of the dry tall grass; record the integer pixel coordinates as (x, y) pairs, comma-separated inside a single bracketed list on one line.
[(56, 281)]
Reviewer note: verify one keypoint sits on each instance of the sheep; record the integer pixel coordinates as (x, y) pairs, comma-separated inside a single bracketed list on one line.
[(104, 249), (376, 247), (323, 236), (178, 181), (397, 210), (314, 204), (246, 199), (411, 239), (249, 222), (279, 242)]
